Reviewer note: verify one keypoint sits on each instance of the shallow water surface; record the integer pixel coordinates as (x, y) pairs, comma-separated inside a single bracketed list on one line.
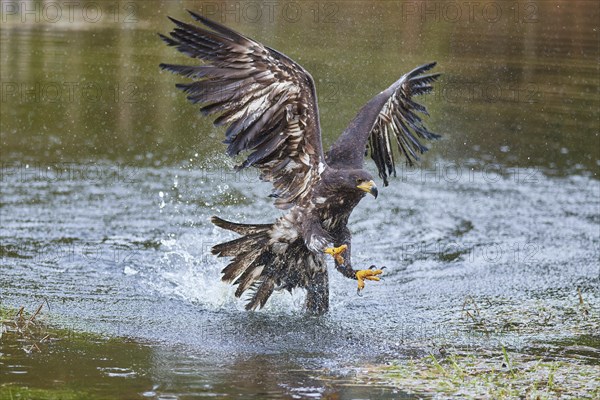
[(106, 200)]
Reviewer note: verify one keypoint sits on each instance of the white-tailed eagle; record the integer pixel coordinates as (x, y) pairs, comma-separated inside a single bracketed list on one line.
[(269, 106)]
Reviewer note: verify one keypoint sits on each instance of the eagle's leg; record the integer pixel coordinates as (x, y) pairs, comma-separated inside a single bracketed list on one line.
[(360, 275), (336, 253), (367, 274), (317, 293)]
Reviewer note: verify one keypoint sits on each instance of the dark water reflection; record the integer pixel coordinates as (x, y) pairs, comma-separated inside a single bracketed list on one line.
[(109, 178), (520, 84)]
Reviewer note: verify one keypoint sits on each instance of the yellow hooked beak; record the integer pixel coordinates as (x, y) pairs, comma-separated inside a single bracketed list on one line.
[(369, 187)]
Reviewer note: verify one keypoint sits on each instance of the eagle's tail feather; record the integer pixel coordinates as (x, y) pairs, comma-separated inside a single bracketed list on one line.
[(251, 255), (262, 294), (261, 264), (242, 229)]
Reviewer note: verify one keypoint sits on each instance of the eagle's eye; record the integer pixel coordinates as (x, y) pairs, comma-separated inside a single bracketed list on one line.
[(358, 181)]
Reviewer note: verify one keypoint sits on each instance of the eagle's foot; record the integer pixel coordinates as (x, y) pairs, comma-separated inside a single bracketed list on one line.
[(336, 253), (367, 274)]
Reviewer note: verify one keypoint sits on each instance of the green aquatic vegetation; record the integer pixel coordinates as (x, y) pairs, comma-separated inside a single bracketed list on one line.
[(41, 361), (557, 355), (498, 375), (26, 326), (565, 317), (11, 392)]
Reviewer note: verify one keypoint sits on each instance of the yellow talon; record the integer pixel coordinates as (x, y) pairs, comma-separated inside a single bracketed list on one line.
[(337, 252), (368, 274)]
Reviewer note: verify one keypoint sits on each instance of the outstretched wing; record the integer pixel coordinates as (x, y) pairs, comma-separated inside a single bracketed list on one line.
[(392, 112), (267, 101)]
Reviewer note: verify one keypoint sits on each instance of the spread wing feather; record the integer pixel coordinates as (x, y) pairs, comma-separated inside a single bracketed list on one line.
[(391, 117), (265, 99)]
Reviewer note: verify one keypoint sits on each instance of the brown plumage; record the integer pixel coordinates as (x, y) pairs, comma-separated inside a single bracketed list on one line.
[(268, 103)]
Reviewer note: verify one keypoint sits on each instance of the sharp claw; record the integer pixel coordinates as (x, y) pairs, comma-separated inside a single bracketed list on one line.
[(370, 274)]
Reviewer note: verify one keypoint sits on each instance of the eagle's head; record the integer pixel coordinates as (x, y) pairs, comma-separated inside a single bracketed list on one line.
[(356, 181)]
